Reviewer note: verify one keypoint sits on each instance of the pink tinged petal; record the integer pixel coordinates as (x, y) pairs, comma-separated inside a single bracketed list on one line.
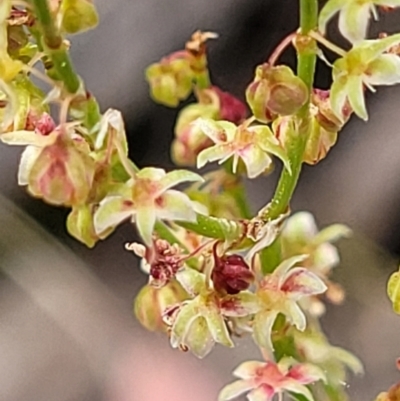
[(262, 329), (356, 96), (217, 152), (235, 389), (294, 314), (286, 265), (262, 393), (384, 70), (198, 338), (305, 373), (174, 205), (297, 388), (191, 280), (256, 160), (248, 369), (300, 282), (217, 325), (354, 20), (328, 11), (177, 177), (186, 316), (28, 159), (111, 212), (145, 220), (243, 304)]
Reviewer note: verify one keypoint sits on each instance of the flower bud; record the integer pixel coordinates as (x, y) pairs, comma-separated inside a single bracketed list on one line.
[(231, 274), (230, 107), (78, 16), (80, 225), (152, 302), (170, 80), (275, 91)]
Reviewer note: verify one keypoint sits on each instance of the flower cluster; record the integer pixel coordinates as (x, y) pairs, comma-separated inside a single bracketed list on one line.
[(216, 270)]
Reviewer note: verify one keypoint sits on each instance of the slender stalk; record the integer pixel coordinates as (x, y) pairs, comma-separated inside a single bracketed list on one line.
[(305, 70), (55, 47)]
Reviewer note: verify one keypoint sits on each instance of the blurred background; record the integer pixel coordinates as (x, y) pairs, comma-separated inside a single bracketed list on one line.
[(67, 330)]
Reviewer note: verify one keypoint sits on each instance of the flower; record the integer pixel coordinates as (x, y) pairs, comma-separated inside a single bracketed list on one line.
[(393, 291), (78, 16), (280, 292), (146, 198), (275, 91), (300, 236), (171, 79), (365, 64), (315, 348), (199, 323), (250, 144), (354, 16), (213, 104), (56, 167), (266, 379)]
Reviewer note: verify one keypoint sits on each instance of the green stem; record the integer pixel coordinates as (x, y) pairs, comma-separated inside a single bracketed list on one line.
[(296, 146), (55, 47)]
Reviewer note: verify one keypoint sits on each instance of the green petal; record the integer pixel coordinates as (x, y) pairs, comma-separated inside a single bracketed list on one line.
[(177, 177), (209, 155), (234, 389), (328, 11), (27, 138), (191, 280), (216, 325), (175, 206), (214, 129), (295, 315), (388, 3), (332, 234), (112, 211), (256, 160), (348, 359), (262, 329), (300, 228), (152, 173), (186, 316), (28, 159), (338, 95), (145, 220), (267, 142), (198, 338), (355, 93), (299, 389), (354, 19), (369, 50), (384, 70)]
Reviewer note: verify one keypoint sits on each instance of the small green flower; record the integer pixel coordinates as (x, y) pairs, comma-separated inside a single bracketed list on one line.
[(280, 292), (171, 79), (199, 323), (366, 64), (146, 198), (393, 290), (78, 16), (354, 16), (253, 145), (264, 380)]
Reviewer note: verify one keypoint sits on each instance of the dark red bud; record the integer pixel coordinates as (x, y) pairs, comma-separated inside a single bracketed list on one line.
[(231, 108), (231, 274)]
